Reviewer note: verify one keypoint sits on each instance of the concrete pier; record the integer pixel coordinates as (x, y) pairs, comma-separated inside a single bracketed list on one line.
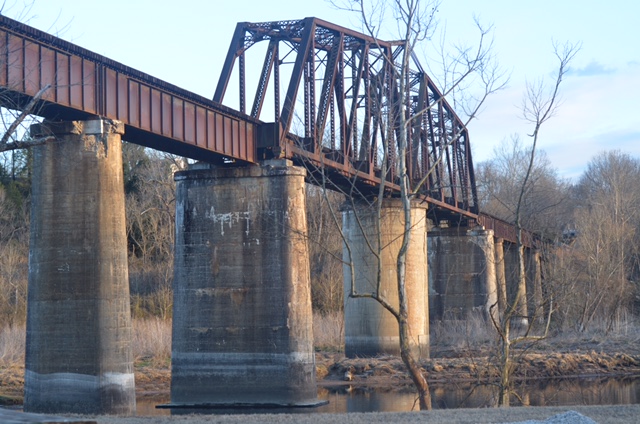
[(534, 285), (501, 278), (369, 328), (516, 288), (242, 320), (463, 273), (78, 346)]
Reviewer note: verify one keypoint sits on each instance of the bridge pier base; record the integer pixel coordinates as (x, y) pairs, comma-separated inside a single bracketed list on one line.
[(78, 345), (463, 273), (242, 323), (370, 329)]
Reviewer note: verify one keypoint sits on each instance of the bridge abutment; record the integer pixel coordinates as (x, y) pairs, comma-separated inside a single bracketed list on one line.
[(242, 323), (370, 329), (463, 273), (78, 345)]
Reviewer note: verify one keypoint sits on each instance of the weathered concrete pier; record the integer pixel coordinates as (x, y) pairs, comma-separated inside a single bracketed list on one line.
[(462, 273), (78, 349), (471, 270), (371, 246), (242, 325)]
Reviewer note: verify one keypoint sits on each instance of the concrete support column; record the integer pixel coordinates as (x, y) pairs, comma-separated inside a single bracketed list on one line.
[(516, 288), (242, 320), (534, 284), (463, 270), (369, 328), (78, 347), (501, 279)]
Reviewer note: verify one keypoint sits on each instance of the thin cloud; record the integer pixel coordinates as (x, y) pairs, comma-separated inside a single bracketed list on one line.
[(592, 69)]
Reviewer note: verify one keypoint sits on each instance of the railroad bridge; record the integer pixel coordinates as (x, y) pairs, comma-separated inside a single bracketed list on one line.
[(306, 102)]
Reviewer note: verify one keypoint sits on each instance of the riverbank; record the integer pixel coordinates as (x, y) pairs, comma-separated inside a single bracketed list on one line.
[(388, 372), (463, 356), (378, 371)]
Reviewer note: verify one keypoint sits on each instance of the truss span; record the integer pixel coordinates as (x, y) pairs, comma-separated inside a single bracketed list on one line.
[(319, 99), (331, 95)]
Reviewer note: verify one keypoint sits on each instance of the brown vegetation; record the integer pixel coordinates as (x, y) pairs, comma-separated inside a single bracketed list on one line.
[(462, 353)]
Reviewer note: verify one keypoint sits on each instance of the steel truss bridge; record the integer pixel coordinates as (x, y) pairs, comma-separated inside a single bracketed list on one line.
[(321, 95)]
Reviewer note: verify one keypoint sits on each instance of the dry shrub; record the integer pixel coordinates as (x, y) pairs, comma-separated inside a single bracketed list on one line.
[(618, 333), (462, 334), (152, 340), (12, 345), (328, 331)]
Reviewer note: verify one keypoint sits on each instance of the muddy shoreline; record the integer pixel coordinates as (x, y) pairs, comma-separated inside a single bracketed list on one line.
[(388, 372), (377, 371)]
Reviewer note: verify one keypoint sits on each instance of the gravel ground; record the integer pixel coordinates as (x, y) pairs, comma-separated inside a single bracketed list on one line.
[(555, 415)]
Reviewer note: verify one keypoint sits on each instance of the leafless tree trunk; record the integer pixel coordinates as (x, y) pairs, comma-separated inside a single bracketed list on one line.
[(416, 23), (538, 107)]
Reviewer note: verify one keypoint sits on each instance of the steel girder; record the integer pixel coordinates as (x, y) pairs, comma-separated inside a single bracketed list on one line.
[(333, 98)]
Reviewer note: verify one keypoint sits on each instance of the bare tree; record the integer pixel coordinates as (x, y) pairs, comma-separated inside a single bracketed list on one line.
[(150, 209), (605, 251), (14, 235), (415, 24), (539, 105), (546, 207), (325, 251)]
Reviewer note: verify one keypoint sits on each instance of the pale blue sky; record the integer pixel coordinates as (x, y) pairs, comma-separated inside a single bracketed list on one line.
[(184, 42)]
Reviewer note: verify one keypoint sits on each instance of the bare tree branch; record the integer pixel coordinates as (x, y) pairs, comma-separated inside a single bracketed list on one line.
[(26, 111)]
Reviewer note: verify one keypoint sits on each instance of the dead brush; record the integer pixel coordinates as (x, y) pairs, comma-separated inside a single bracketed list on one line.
[(328, 331), (12, 345), (152, 341), (472, 333)]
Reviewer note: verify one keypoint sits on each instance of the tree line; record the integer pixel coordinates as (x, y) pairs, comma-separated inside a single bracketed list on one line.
[(592, 228)]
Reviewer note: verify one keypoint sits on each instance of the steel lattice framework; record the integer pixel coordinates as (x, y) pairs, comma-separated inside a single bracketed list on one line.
[(333, 116), (338, 112)]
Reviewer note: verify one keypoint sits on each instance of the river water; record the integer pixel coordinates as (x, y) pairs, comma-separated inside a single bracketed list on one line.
[(543, 392)]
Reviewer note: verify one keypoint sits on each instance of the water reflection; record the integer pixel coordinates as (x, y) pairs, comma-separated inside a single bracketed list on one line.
[(556, 392), (348, 399)]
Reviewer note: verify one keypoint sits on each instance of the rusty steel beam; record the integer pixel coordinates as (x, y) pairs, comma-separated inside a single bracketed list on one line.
[(350, 71), (507, 231), (84, 84)]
